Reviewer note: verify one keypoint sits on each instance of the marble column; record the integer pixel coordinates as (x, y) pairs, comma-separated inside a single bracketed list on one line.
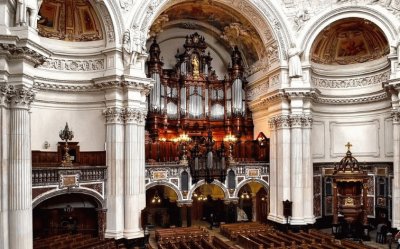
[(273, 209), (296, 170), (115, 180), (4, 153), (134, 179), (396, 171), (20, 171), (283, 172), (308, 172)]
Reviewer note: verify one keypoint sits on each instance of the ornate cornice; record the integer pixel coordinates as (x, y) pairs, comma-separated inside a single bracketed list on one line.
[(50, 86), (23, 53), (350, 83), (114, 115), (133, 115), (74, 65), (351, 100)]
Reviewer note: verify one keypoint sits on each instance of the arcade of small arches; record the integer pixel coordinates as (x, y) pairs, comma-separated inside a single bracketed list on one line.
[(182, 110)]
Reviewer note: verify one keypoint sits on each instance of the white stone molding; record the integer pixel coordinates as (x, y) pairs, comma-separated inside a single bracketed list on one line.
[(64, 86), (335, 100), (26, 53), (114, 115), (344, 83), (74, 65), (108, 23)]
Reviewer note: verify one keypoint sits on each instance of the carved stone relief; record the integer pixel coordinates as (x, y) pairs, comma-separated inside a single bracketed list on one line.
[(108, 23), (350, 83), (74, 65)]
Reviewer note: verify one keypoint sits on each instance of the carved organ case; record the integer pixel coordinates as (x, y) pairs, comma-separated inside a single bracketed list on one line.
[(190, 98)]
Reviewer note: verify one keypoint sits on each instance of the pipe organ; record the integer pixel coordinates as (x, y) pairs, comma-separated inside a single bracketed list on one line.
[(190, 98)]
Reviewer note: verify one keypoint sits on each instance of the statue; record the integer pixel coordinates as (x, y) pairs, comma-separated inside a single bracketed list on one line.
[(133, 44), (295, 70), (26, 13), (195, 63)]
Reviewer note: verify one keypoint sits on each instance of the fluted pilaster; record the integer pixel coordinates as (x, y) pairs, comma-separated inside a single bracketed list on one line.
[(134, 168), (115, 179), (296, 165), (396, 170), (273, 187), (308, 172), (20, 170)]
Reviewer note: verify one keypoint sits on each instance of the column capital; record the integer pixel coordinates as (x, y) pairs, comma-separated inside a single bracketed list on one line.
[(133, 115), (396, 117), (6, 92), (307, 121), (21, 98), (114, 115), (280, 121), (296, 120)]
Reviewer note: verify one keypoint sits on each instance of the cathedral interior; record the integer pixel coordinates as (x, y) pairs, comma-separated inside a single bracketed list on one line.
[(122, 120)]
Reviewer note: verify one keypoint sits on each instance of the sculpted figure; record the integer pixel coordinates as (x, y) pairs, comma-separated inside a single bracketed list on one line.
[(295, 70), (133, 45), (26, 13)]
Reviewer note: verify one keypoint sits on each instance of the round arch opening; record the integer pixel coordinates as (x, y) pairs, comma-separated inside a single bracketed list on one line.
[(161, 207), (253, 203), (66, 214)]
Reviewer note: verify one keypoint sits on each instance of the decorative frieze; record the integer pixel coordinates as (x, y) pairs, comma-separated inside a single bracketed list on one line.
[(37, 85), (74, 65), (350, 83), (114, 115), (24, 53)]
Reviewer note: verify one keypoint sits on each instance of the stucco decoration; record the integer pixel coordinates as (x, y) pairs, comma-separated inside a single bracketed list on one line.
[(69, 20), (349, 41)]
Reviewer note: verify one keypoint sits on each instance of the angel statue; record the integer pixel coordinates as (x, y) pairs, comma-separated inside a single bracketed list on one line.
[(133, 45)]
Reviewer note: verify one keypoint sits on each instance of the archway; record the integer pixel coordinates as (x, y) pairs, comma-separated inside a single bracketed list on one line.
[(208, 204), (67, 214), (253, 202), (161, 207)]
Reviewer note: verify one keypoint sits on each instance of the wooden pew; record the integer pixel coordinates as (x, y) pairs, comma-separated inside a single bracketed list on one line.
[(245, 242)]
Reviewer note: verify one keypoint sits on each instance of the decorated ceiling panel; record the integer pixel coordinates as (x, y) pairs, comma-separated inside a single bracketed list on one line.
[(69, 20), (349, 41), (227, 25)]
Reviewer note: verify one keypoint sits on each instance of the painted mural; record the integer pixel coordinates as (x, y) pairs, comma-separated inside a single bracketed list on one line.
[(69, 20)]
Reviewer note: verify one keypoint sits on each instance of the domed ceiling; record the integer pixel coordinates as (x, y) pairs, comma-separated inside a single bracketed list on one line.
[(69, 20), (225, 24), (349, 41)]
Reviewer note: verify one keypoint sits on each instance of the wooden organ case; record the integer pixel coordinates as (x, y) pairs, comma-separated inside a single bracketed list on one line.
[(191, 99)]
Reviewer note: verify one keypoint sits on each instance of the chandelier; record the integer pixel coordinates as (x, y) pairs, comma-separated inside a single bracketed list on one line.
[(231, 140), (183, 139), (156, 198), (200, 196)]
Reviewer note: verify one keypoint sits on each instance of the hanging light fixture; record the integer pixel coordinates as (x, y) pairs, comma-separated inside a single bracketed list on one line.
[(245, 194), (156, 198)]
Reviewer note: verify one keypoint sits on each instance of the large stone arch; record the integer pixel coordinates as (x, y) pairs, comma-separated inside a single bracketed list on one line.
[(110, 17), (167, 184), (268, 20), (53, 193), (202, 182), (244, 182), (385, 21)]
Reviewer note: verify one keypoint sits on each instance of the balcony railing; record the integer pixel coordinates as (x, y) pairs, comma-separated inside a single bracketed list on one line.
[(49, 176)]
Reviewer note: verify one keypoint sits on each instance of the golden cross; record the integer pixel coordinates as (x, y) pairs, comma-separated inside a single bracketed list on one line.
[(348, 145)]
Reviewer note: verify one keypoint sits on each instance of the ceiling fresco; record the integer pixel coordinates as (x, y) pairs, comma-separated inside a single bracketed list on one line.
[(69, 20), (228, 26), (349, 41)]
